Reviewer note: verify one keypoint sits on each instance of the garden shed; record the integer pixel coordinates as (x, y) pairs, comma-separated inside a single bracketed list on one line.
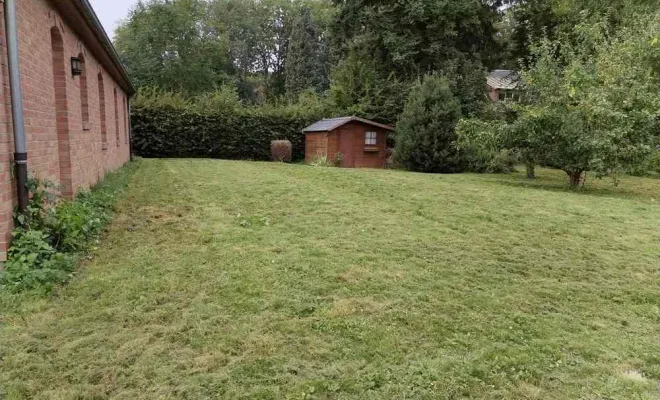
[(352, 142)]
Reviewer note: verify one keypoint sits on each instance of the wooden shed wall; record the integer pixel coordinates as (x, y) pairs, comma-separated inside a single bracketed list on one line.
[(352, 146), (349, 140), (316, 145)]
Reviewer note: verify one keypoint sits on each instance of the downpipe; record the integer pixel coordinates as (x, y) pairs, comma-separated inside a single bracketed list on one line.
[(18, 122), (130, 128)]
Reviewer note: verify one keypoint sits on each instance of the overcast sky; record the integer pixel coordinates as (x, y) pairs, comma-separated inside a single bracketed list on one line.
[(111, 11)]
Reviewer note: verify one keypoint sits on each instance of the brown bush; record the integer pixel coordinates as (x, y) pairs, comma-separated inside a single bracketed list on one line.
[(281, 150)]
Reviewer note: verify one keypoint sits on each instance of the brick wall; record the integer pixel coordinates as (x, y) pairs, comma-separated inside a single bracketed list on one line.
[(64, 139)]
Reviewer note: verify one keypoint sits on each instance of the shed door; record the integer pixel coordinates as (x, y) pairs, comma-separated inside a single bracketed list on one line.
[(346, 139)]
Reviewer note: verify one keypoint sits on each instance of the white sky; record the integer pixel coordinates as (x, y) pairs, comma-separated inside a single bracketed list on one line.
[(110, 12)]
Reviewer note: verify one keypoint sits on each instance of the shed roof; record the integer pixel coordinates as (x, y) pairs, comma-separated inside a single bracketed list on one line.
[(504, 79), (327, 125)]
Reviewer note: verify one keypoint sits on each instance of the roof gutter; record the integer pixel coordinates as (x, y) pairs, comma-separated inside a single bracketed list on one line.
[(18, 123), (89, 15)]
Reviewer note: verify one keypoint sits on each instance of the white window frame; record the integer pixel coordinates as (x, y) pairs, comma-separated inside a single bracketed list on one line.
[(370, 138)]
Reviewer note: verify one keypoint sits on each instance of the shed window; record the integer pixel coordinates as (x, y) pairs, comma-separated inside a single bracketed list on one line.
[(370, 138)]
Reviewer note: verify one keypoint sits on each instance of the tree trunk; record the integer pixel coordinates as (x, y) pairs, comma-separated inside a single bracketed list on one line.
[(531, 173), (575, 178)]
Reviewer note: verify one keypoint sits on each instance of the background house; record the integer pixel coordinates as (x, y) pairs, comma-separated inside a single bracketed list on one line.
[(351, 141), (503, 84), (75, 96)]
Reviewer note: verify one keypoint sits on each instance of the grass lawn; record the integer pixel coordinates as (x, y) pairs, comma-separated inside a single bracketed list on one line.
[(223, 279)]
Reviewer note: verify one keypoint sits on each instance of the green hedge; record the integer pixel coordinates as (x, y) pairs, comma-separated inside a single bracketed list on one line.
[(163, 131)]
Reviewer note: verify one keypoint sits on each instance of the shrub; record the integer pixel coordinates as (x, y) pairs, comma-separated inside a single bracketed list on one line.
[(32, 262), (322, 161), (51, 232), (482, 160), (425, 133), (167, 131), (649, 167), (280, 150)]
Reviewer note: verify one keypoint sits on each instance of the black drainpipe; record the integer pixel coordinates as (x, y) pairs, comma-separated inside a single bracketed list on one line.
[(20, 153)]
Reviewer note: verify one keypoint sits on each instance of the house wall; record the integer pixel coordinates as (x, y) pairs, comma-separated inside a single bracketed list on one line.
[(77, 156), (494, 94)]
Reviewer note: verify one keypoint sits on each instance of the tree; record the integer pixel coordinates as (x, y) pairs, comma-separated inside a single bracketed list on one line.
[(529, 21), (358, 88), (414, 37), (397, 42), (425, 137), (305, 63), (169, 45), (198, 46), (257, 33), (591, 106)]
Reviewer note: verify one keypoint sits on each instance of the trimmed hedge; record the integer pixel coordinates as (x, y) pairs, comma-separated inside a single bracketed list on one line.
[(165, 131)]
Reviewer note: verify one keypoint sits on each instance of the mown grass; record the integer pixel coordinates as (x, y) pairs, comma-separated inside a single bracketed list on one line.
[(224, 279)]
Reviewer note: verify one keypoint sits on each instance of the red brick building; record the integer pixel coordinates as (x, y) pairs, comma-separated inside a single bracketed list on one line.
[(503, 84), (75, 99), (353, 142)]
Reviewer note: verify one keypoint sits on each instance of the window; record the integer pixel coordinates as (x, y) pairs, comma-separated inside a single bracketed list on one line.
[(104, 139), (370, 138), (125, 121), (84, 100), (116, 117), (502, 95)]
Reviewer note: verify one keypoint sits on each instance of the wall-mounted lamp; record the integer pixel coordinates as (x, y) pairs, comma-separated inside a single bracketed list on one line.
[(75, 66)]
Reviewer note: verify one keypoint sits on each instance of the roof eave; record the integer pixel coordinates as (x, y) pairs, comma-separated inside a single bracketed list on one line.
[(86, 10), (349, 120)]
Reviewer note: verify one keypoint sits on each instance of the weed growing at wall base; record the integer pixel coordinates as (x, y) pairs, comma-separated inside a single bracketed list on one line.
[(52, 234)]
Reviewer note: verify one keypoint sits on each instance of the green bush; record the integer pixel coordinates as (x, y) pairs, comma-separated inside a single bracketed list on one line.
[(425, 133), (51, 232), (649, 167), (33, 262), (482, 160), (163, 131), (217, 125)]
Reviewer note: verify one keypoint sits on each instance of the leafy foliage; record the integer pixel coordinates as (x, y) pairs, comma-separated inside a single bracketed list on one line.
[(358, 89), (384, 47), (413, 37), (649, 167), (325, 162), (592, 106), (227, 66), (306, 64), (51, 232), (531, 21), (425, 133), (198, 46), (33, 262), (169, 44), (188, 131)]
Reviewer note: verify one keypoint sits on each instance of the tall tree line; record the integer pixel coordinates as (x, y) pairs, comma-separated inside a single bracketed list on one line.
[(197, 46), (359, 56)]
